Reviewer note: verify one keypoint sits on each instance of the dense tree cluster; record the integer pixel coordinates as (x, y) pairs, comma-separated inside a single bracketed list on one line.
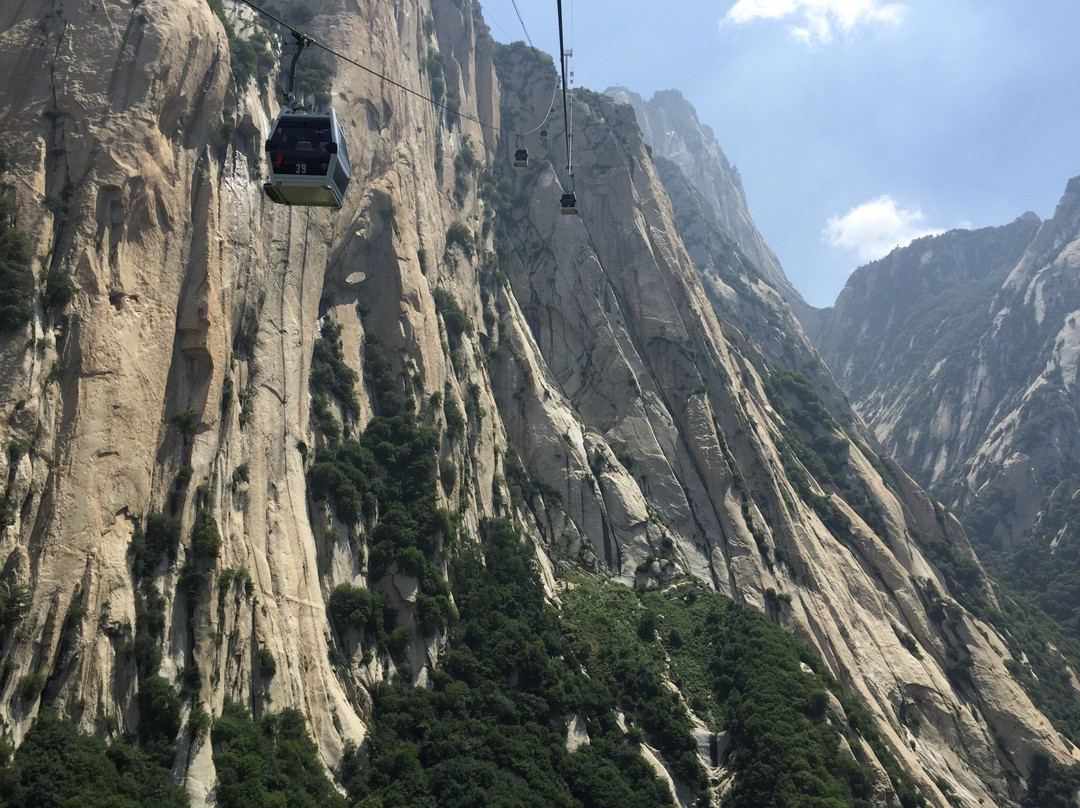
[(492, 728), (56, 766), (271, 763), (16, 277)]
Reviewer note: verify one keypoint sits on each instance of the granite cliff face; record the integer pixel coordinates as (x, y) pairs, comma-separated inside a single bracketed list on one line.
[(960, 352), (741, 276), (660, 442)]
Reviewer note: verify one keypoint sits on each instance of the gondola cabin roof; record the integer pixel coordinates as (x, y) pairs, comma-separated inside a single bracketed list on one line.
[(308, 160)]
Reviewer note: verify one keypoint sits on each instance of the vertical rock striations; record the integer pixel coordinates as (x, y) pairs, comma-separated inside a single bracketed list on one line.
[(572, 374)]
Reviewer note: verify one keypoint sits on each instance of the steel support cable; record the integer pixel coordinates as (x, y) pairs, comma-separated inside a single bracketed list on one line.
[(522, 21), (550, 107), (570, 90), (566, 114), (554, 90)]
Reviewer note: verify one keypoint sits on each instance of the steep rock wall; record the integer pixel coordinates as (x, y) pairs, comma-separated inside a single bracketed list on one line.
[(600, 364), (195, 293), (850, 601)]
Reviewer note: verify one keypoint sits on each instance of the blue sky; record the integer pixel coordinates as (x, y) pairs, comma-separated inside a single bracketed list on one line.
[(855, 124)]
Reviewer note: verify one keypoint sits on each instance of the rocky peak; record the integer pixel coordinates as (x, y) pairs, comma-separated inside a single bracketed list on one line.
[(670, 125)]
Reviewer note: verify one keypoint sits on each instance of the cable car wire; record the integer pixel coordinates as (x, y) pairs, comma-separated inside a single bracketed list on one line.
[(522, 21), (566, 114), (312, 41), (570, 90), (567, 119), (551, 106)]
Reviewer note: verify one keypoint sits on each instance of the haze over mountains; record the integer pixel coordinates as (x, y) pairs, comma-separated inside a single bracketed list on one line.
[(496, 500)]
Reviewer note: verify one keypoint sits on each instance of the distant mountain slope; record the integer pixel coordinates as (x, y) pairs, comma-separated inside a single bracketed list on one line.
[(903, 330), (961, 351), (670, 126)]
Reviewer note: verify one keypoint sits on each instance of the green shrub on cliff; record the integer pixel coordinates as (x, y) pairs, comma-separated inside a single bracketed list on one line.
[(16, 277)]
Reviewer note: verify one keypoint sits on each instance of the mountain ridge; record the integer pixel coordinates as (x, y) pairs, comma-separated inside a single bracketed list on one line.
[(991, 385)]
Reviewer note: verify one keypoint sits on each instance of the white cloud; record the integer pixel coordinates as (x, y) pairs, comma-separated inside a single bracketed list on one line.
[(875, 228), (816, 20)]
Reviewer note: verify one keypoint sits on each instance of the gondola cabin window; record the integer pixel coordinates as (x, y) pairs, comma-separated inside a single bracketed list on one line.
[(308, 160)]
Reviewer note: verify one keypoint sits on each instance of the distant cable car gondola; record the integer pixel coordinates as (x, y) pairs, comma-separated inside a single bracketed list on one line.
[(521, 158), (309, 162), (568, 203)]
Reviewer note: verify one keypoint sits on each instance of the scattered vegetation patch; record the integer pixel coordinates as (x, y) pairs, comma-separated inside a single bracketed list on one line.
[(491, 730), (455, 319), (739, 673), (14, 604), (1050, 655), (59, 288), (443, 92), (161, 536), (29, 686), (1049, 650), (159, 719), (330, 374), (353, 607), (267, 663), (962, 575), (525, 486), (1050, 784), (622, 650), (387, 478), (205, 536), (460, 235), (464, 164), (452, 414), (247, 57), (241, 474), (56, 765), (821, 447), (159, 704), (187, 421), (434, 65), (1048, 577), (240, 578)]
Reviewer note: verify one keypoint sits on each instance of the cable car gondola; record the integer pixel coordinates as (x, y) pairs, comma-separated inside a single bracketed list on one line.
[(521, 158), (309, 162), (569, 204)]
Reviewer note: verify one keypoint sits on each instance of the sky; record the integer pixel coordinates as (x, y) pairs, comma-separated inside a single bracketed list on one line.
[(856, 125)]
